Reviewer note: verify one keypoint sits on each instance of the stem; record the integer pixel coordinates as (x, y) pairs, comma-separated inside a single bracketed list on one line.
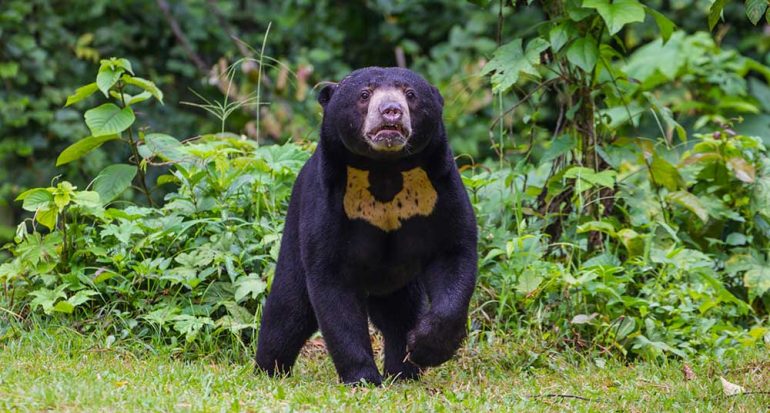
[(133, 144), (65, 247), (259, 75)]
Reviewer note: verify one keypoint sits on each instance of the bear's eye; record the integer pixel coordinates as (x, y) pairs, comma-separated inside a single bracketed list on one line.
[(410, 94), (365, 94)]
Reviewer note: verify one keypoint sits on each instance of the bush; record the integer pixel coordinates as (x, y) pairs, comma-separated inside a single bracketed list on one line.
[(196, 268)]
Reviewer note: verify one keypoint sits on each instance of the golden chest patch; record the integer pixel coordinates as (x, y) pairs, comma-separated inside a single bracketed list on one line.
[(416, 197)]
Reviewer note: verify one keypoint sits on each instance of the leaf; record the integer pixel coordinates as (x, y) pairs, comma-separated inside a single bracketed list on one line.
[(730, 389), (109, 119), (509, 61), (249, 285), (665, 25), (618, 13), (743, 170), (81, 93), (106, 79), (633, 242), (690, 202), (528, 282), (87, 199), (665, 174), (760, 197), (47, 217), (144, 84), (64, 307), (139, 98), (165, 146), (114, 63), (715, 12), (113, 180), (82, 147), (583, 53), (560, 35), (755, 9), (583, 318), (599, 226), (35, 198), (757, 280), (81, 297), (558, 147)]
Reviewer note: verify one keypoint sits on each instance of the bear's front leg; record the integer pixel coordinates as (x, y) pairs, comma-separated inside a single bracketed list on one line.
[(449, 281), (342, 316)]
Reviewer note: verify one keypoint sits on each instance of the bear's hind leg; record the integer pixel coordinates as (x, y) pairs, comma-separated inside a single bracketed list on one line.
[(395, 315), (288, 321)]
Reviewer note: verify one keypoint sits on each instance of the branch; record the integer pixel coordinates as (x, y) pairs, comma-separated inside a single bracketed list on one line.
[(181, 38)]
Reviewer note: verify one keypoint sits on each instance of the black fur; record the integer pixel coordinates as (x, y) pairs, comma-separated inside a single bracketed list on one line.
[(415, 282)]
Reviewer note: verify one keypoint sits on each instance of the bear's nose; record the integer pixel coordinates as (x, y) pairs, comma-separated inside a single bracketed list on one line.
[(391, 111)]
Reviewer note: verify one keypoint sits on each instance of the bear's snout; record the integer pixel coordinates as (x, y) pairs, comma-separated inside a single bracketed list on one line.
[(391, 111), (387, 126)]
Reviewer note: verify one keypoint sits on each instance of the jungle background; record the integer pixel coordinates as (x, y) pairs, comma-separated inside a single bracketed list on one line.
[(615, 153)]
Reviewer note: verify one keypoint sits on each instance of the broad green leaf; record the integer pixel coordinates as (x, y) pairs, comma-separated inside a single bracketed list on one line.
[(81, 297), (35, 198), (560, 35), (575, 11), (144, 84), (109, 119), (82, 147), (139, 98), (599, 226), (715, 12), (46, 298), (665, 25), (250, 285), (633, 242), (760, 198), (699, 157), (583, 53), (106, 79), (618, 13), (528, 282), (86, 198), (559, 146), (665, 174), (166, 147), (509, 61), (583, 318), (743, 170), (81, 93), (114, 63), (47, 217), (690, 202), (757, 280), (755, 9), (113, 180), (593, 178), (64, 307), (625, 327)]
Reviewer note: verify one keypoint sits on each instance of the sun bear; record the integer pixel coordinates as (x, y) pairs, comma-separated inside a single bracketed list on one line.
[(379, 227)]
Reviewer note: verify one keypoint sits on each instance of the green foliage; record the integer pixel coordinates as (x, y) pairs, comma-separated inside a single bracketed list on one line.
[(619, 169)]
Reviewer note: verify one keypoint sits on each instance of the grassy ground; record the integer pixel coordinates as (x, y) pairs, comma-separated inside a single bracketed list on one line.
[(56, 369)]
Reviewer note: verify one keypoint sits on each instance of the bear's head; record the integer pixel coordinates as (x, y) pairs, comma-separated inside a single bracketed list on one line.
[(382, 113)]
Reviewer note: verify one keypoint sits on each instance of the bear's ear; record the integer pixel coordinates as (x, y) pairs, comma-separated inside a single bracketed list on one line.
[(325, 95), (437, 95)]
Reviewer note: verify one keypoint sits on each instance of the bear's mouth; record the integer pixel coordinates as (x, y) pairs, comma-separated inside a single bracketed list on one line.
[(388, 137)]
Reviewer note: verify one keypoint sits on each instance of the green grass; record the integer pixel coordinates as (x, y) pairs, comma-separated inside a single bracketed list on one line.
[(57, 369)]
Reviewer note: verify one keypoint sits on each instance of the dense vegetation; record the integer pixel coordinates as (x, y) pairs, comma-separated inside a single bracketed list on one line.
[(615, 152)]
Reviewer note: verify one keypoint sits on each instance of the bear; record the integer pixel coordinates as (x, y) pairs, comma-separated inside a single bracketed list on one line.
[(379, 227)]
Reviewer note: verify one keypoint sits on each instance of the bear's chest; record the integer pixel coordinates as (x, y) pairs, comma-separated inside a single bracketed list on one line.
[(387, 201)]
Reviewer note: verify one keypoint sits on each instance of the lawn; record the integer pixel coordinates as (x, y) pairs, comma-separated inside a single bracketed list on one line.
[(58, 369)]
